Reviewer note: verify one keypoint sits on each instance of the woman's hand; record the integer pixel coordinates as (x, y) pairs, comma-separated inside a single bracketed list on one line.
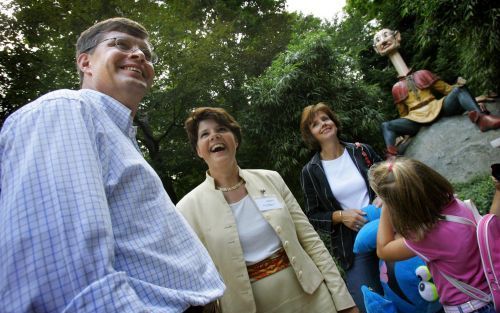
[(354, 219)]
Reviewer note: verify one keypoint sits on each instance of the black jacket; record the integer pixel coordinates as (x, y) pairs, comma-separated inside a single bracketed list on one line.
[(320, 201)]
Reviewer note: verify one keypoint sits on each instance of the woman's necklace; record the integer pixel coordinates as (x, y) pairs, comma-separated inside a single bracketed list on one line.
[(226, 189)]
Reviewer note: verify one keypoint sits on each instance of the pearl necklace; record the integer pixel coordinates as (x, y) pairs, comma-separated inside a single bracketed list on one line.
[(226, 189)]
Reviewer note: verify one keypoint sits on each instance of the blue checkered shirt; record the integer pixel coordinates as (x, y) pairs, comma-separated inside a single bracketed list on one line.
[(85, 223)]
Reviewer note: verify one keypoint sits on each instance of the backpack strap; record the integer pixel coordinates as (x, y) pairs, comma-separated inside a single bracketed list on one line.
[(472, 207), (467, 289), (459, 219), (363, 153), (462, 220)]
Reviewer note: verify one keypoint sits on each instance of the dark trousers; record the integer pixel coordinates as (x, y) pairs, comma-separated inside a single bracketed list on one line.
[(364, 271)]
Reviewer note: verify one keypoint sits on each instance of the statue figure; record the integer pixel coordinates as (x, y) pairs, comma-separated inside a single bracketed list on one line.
[(414, 96)]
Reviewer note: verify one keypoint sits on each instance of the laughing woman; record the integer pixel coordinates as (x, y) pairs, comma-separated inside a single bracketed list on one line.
[(335, 186), (268, 254)]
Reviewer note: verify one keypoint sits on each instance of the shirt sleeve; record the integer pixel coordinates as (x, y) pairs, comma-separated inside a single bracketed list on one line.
[(442, 87), (402, 109), (315, 248), (56, 235)]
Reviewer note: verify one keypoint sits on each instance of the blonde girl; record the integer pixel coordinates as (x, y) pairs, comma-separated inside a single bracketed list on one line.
[(416, 203)]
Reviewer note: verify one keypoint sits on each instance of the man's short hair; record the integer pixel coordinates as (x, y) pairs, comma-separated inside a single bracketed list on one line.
[(91, 37)]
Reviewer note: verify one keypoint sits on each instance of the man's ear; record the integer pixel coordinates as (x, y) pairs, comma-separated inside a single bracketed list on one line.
[(83, 62)]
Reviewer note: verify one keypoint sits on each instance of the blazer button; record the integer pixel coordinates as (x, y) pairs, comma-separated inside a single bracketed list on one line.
[(285, 244), (293, 260), (278, 229), (300, 274)]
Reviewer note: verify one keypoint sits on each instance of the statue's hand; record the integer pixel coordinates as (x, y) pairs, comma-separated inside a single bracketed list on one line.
[(461, 81)]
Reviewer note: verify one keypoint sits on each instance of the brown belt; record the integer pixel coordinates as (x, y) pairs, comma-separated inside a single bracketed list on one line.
[(273, 264), (421, 104)]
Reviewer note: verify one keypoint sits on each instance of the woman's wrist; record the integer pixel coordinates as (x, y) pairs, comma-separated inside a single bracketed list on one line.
[(337, 217)]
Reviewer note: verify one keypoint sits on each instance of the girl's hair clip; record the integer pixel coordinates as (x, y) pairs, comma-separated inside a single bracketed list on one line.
[(391, 164)]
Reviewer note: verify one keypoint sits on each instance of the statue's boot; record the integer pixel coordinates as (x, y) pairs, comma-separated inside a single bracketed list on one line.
[(484, 122)]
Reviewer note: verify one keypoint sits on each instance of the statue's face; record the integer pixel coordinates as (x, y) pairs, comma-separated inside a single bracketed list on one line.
[(386, 41)]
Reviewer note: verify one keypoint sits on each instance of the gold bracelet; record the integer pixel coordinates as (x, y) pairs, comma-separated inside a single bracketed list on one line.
[(341, 219)]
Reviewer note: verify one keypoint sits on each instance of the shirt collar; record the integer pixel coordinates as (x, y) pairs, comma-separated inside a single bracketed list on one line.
[(316, 159), (116, 111), (210, 180)]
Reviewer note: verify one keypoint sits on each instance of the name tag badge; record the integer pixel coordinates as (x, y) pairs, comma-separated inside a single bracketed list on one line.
[(268, 203)]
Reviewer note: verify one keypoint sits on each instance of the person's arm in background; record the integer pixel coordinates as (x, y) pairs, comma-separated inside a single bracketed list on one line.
[(495, 204)]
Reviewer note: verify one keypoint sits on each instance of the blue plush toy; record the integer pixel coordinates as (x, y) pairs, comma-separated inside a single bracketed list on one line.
[(407, 284)]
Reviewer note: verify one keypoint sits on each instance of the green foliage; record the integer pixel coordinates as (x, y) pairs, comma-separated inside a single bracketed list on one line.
[(479, 189), (451, 38), (313, 69), (468, 29), (256, 60), (207, 49)]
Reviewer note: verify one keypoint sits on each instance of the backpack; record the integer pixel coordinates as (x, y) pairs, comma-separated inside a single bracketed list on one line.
[(488, 234), (368, 162)]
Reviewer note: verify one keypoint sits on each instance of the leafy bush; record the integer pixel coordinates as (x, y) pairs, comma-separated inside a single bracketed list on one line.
[(480, 189)]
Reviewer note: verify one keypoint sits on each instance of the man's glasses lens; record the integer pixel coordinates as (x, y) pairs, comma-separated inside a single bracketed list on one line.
[(129, 46), (126, 45)]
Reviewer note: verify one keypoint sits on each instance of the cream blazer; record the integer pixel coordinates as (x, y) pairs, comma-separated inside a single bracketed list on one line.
[(207, 211)]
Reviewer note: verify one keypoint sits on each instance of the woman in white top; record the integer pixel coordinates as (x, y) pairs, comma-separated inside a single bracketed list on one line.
[(268, 254), (335, 187)]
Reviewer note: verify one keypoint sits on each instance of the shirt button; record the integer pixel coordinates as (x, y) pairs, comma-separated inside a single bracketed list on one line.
[(278, 229), (285, 244), (300, 274), (293, 260)]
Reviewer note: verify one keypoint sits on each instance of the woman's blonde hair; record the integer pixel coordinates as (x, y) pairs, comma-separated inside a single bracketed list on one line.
[(414, 194)]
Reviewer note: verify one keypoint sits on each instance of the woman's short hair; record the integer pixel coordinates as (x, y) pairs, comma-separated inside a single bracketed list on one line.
[(306, 119), (414, 194), (219, 115)]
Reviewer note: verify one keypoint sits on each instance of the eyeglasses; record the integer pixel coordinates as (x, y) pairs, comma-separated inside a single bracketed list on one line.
[(128, 45)]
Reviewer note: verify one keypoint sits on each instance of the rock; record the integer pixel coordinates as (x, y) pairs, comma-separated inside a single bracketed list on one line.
[(456, 148)]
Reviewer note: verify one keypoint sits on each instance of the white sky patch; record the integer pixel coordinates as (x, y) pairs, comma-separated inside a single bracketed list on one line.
[(3, 7), (324, 9)]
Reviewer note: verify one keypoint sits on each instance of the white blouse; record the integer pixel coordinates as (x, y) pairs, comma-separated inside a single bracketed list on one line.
[(258, 239), (346, 182)]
